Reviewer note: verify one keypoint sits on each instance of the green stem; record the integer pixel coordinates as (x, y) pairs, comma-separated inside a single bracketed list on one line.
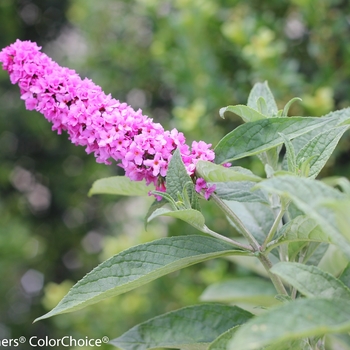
[(251, 239), (273, 228), (275, 279), (228, 240)]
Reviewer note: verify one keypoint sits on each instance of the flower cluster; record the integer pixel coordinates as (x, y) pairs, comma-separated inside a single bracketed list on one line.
[(108, 128)]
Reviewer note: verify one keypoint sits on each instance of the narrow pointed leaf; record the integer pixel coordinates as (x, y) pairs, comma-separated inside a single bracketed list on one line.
[(310, 196), (193, 327), (287, 106), (311, 281), (246, 113), (262, 90), (252, 290), (211, 172), (290, 154), (259, 136), (139, 265), (120, 185), (177, 178), (294, 320), (320, 148)]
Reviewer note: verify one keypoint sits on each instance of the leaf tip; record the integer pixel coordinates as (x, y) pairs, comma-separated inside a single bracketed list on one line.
[(222, 112)]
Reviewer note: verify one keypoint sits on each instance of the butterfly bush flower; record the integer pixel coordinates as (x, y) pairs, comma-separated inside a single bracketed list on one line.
[(110, 129)]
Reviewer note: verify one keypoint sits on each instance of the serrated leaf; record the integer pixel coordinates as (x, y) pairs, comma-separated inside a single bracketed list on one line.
[(252, 290), (120, 185), (240, 191), (246, 113), (311, 281), (320, 148), (262, 90), (259, 136), (137, 266), (211, 172), (190, 328), (177, 179), (295, 320), (310, 196)]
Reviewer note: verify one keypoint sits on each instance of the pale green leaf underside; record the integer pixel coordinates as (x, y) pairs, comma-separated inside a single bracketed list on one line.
[(262, 90), (310, 196), (120, 185), (252, 290), (311, 281), (294, 320), (255, 137), (190, 328), (211, 172), (246, 113), (139, 265)]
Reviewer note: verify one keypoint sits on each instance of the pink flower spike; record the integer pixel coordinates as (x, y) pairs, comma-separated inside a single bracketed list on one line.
[(106, 127)]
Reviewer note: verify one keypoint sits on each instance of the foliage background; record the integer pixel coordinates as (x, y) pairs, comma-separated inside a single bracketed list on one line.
[(180, 61)]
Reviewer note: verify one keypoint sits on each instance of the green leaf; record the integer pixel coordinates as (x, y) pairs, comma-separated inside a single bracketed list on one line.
[(221, 342), (190, 328), (259, 136), (177, 179), (310, 196), (252, 290), (340, 210), (139, 265), (287, 106), (191, 216), (295, 320), (120, 185), (257, 217), (342, 182), (311, 281), (345, 276), (298, 232), (334, 119), (262, 90), (320, 148), (240, 191), (290, 154), (246, 113), (211, 172)]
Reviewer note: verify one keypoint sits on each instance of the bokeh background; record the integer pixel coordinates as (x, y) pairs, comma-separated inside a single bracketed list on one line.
[(180, 61)]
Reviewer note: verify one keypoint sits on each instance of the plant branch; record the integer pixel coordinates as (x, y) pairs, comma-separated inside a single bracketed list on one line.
[(228, 240), (251, 239), (274, 227), (275, 279)]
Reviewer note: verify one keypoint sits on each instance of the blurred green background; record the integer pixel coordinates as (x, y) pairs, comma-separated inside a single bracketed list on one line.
[(180, 61)]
